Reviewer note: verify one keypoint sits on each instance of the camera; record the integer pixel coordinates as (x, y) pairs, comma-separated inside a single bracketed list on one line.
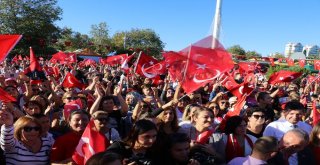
[(202, 156), (139, 160)]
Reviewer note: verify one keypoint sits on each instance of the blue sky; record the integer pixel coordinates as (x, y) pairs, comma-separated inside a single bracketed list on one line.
[(261, 25)]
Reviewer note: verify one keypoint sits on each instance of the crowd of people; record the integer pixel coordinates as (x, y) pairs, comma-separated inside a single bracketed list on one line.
[(147, 123)]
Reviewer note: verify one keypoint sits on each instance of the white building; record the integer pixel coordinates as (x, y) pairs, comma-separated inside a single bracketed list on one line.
[(312, 50), (292, 48)]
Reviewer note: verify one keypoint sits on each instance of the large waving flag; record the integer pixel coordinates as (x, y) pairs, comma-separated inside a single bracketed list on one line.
[(91, 142), (158, 68), (113, 60), (283, 76), (202, 65), (5, 97), (71, 81), (144, 61), (7, 42), (125, 64)]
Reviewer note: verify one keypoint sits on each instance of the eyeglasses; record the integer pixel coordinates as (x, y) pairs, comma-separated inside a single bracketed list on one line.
[(102, 119), (259, 116), (29, 129)]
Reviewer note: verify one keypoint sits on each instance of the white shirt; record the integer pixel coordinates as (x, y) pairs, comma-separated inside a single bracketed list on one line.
[(248, 160), (278, 128)]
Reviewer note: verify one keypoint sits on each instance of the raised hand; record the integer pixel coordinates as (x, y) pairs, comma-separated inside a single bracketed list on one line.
[(6, 117)]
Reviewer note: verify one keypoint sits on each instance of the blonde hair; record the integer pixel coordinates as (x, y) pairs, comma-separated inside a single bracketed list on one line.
[(187, 110), (21, 123)]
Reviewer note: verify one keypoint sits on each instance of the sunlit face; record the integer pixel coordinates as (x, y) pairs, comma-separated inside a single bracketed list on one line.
[(101, 123), (257, 118), (291, 143), (204, 119), (180, 152), (223, 104), (294, 116), (33, 109), (78, 122), (170, 93), (30, 131), (147, 91), (168, 116), (147, 139), (241, 129), (215, 108), (129, 99)]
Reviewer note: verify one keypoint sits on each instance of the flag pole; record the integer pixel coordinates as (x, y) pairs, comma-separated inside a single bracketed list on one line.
[(216, 25), (185, 69), (135, 67)]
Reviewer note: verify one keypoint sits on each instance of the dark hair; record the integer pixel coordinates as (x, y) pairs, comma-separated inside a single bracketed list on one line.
[(294, 105), (34, 102), (140, 127), (261, 95), (254, 109), (103, 158), (106, 98), (177, 138), (232, 123), (79, 111)]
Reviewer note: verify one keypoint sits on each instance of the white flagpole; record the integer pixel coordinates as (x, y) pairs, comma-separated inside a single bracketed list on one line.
[(216, 25)]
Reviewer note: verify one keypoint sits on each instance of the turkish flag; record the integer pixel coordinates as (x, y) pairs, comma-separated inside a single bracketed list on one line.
[(5, 97), (229, 82), (158, 68), (71, 81), (15, 59), (144, 61), (7, 42), (34, 71), (241, 89), (125, 64), (176, 63), (316, 64), (302, 62), (58, 57), (247, 67), (283, 76), (49, 70), (272, 61), (113, 60), (203, 138), (91, 142), (290, 61), (71, 106), (71, 58), (89, 62)]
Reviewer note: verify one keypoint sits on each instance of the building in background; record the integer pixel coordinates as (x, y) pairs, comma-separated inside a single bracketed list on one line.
[(311, 50), (292, 48)]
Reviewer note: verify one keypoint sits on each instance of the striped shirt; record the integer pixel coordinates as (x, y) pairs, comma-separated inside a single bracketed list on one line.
[(16, 153)]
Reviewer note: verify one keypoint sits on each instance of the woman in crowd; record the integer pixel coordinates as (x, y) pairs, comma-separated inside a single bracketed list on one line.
[(65, 145), (315, 141), (22, 142), (101, 122), (138, 145), (234, 142), (168, 122), (215, 109), (33, 108), (256, 121)]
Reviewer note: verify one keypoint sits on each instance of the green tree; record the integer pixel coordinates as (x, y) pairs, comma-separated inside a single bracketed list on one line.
[(278, 55), (100, 38), (70, 40), (236, 50), (253, 54), (34, 19), (139, 39)]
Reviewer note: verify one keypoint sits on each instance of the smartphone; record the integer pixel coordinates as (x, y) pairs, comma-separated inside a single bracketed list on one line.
[(283, 100)]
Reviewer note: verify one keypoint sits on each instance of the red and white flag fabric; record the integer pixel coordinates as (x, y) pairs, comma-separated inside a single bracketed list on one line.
[(228, 82), (34, 71), (302, 62), (58, 57), (315, 113), (242, 89), (71, 106), (158, 68), (290, 61), (283, 76), (113, 60), (91, 142), (271, 61), (316, 64), (70, 81), (247, 67), (144, 61), (7, 43), (176, 63), (125, 64)]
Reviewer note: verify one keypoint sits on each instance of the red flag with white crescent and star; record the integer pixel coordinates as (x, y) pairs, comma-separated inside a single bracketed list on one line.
[(158, 68), (125, 64), (113, 60), (302, 62), (316, 64), (283, 76), (144, 61), (71, 81), (241, 89), (290, 61), (91, 142)]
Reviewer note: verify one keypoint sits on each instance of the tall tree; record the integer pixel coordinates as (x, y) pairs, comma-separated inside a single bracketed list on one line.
[(253, 54), (139, 39), (236, 50), (34, 19), (100, 37)]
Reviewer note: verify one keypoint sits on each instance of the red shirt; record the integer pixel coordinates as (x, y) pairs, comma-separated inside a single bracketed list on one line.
[(64, 146)]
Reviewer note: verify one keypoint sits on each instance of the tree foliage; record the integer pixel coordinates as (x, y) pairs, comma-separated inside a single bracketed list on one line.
[(139, 39), (236, 50), (252, 54), (34, 19)]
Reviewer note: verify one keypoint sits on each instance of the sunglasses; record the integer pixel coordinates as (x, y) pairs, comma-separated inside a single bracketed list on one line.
[(29, 129), (259, 116), (102, 119), (223, 102), (214, 107), (71, 98)]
